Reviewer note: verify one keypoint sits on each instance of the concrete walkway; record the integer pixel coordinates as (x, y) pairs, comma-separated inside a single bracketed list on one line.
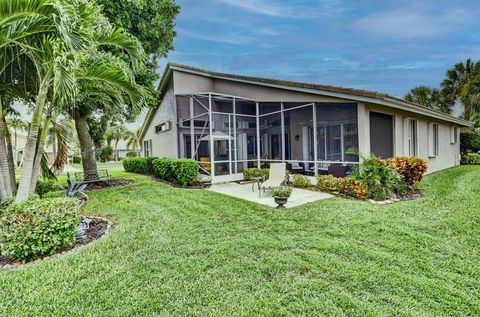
[(298, 197)]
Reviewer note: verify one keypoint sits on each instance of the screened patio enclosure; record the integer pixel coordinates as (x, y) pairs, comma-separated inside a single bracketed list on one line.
[(227, 134)]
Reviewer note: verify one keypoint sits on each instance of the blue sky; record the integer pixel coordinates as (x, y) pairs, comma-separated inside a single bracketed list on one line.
[(387, 46)]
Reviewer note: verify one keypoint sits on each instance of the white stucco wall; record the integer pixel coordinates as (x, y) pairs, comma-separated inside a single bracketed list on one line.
[(164, 144), (449, 154)]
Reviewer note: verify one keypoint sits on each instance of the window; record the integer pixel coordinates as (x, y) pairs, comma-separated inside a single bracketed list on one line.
[(453, 135), (433, 148), (412, 136), (162, 127), (147, 148)]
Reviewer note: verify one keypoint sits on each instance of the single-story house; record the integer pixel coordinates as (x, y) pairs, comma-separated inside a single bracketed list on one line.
[(231, 122)]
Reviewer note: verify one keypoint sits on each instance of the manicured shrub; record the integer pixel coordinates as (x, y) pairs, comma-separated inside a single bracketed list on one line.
[(249, 173), (131, 154), (47, 186), (38, 227), (77, 159), (327, 183), (382, 178), (471, 159), (180, 171), (469, 142), (301, 181), (412, 169), (163, 169), (185, 171), (106, 154), (141, 165), (350, 186)]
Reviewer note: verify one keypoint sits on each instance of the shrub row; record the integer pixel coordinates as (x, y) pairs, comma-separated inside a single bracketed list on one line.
[(471, 159), (180, 171), (348, 186), (250, 173), (38, 227), (140, 165)]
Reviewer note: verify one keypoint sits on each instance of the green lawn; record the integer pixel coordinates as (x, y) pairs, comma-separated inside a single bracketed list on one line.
[(196, 253)]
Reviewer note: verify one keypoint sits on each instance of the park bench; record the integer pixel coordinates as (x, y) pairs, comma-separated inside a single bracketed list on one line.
[(88, 177)]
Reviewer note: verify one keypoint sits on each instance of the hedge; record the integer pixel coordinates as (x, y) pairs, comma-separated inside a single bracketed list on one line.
[(179, 171), (141, 165), (38, 227), (249, 173)]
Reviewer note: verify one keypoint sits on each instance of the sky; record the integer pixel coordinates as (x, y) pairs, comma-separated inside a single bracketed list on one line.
[(385, 46)]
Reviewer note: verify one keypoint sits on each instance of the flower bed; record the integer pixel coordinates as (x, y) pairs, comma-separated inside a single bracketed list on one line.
[(375, 179)]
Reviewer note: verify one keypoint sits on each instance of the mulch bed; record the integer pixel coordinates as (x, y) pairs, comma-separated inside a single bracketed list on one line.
[(117, 182), (411, 195), (98, 228), (198, 185)]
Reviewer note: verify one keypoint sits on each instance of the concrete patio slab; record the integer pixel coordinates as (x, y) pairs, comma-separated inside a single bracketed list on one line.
[(244, 191)]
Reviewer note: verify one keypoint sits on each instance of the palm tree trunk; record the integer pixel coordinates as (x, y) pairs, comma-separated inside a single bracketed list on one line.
[(87, 147), (30, 148), (16, 147), (11, 161), (39, 154), (4, 169), (116, 151)]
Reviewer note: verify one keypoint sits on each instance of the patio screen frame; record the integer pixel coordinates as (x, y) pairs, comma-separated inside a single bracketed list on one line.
[(233, 159)]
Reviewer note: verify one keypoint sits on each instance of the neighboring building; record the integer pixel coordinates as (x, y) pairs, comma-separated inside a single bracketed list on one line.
[(231, 122), (21, 140)]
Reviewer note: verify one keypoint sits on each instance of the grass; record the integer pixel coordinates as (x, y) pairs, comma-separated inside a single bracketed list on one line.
[(197, 253)]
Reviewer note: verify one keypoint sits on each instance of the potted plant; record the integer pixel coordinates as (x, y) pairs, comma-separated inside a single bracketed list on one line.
[(281, 196), (207, 181)]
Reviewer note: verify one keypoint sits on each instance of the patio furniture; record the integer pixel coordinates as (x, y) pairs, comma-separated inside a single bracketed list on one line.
[(296, 168), (257, 181), (278, 176), (339, 170), (205, 164), (87, 177)]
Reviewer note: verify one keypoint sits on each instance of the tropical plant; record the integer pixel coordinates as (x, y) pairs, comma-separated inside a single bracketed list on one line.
[(428, 97), (327, 183), (134, 140), (115, 134), (16, 124), (462, 83), (383, 180)]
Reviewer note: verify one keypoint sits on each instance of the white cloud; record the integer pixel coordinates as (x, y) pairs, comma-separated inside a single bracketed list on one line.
[(294, 9), (411, 22), (228, 38)]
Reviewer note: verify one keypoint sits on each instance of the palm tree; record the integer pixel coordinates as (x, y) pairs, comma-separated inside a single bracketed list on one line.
[(16, 124), (61, 39), (428, 97), (134, 140), (460, 84), (117, 133)]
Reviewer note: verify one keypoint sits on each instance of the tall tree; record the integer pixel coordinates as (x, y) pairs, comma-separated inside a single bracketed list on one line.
[(116, 134), (58, 38), (133, 140), (461, 84), (428, 97)]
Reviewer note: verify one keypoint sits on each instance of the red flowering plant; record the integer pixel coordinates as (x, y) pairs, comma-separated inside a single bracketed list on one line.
[(353, 187), (412, 169)]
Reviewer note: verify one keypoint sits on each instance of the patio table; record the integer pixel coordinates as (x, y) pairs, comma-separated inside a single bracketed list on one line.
[(258, 181)]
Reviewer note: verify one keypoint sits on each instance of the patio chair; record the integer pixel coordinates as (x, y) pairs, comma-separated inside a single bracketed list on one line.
[(277, 178)]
